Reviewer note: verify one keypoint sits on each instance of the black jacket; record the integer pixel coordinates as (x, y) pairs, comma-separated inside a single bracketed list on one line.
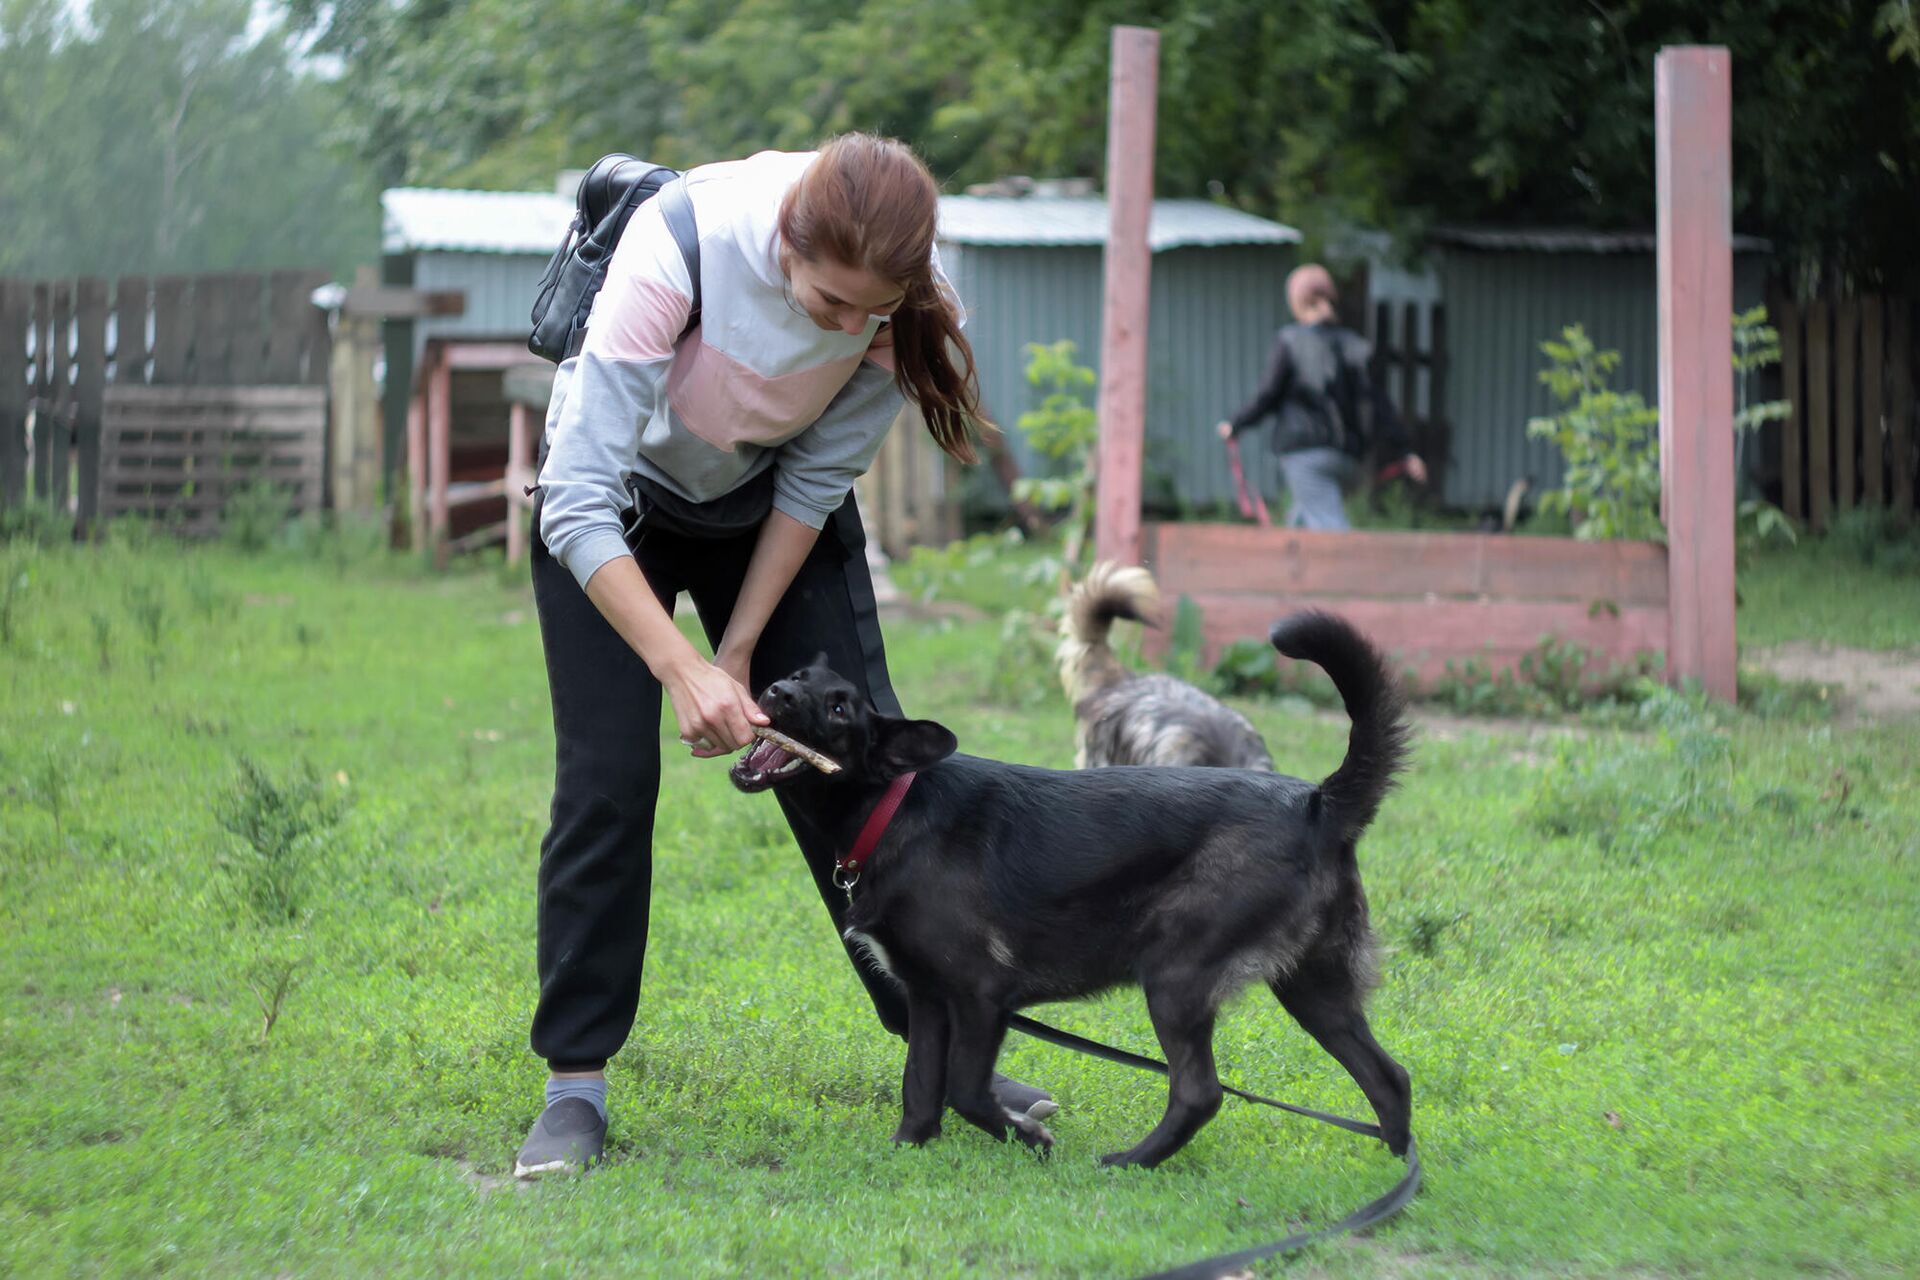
[(1317, 382)]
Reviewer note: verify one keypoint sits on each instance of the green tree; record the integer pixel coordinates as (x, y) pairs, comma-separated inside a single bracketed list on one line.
[(169, 135), (1324, 113)]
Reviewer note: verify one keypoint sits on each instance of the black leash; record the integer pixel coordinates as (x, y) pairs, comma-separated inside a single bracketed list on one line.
[(1222, 1263)]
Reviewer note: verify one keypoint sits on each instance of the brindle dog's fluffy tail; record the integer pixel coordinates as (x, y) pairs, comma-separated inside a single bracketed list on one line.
[(1377, 746), (1109, 591)]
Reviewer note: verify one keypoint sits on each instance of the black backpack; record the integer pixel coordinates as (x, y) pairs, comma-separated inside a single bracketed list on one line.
[(613, 188)]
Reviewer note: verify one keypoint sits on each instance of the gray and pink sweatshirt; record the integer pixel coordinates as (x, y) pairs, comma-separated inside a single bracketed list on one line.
[(756, 385)]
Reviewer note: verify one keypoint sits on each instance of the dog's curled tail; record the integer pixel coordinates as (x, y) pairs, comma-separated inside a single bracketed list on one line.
[(1377, 745), (1108, 591)]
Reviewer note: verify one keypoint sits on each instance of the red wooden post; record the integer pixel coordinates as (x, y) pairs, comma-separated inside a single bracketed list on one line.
[(1122, 403), (417, 466), (519, 475), (1692, 109), (439, 449)]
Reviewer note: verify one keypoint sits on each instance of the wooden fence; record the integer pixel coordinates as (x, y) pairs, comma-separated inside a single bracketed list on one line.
[(1400, 355), (1848, 366), (64, 343), (905, 497)]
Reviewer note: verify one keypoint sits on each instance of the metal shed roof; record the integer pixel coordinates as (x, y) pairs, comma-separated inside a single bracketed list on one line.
[(428, 218), (1082, 220), (1566, 240)]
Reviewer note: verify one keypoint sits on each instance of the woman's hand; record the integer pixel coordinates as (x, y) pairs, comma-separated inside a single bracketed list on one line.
[(1416, 468), (715, 713), (1226, 430)]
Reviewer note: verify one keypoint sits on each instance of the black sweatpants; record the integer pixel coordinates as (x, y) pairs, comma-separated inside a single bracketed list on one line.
[(596, 862)]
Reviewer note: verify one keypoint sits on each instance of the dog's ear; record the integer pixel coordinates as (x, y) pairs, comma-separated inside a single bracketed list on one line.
[(900, 746)]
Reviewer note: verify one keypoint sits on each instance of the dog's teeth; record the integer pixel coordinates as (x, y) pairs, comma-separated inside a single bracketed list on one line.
[(791, 765)]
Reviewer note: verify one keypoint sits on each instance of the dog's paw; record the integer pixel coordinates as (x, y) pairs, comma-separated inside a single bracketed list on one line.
[(1125, 1159), (915, 1135), (1030, 1131)]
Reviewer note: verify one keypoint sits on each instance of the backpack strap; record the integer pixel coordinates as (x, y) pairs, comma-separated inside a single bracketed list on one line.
[(677, 208)]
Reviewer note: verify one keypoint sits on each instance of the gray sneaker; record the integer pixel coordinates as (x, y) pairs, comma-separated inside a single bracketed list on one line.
[(567, 1138), (1023, 1099)]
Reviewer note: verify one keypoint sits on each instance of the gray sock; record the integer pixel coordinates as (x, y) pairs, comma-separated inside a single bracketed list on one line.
[(592, 1089)]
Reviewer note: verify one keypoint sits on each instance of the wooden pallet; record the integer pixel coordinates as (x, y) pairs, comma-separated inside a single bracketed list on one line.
[(182, 452)]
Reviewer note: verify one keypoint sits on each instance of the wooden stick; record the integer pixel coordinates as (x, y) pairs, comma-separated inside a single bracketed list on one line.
[(788, 745)]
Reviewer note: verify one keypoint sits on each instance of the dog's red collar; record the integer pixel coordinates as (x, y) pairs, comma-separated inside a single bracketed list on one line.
[(847, 870)]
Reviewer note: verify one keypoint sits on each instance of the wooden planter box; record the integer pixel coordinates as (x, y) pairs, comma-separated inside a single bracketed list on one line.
[(1427, 598)]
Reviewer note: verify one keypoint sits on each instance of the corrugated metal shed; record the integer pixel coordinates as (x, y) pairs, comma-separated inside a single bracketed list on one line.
[(417, 219), (1505, 294), (1210, 324)]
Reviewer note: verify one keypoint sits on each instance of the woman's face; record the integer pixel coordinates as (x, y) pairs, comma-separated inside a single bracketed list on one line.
[(836, 296)]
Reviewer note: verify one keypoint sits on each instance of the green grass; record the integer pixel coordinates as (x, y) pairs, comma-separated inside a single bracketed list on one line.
[(1817, 592), (1706, 935)]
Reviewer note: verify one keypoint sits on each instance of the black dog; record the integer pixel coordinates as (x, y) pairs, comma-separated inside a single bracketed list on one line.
[(998, 886)]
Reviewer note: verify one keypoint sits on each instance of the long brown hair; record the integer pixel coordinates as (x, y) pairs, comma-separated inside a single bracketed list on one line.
[(869, 202)]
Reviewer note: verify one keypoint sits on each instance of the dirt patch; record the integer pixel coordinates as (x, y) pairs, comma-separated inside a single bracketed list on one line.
[(1869, 684)]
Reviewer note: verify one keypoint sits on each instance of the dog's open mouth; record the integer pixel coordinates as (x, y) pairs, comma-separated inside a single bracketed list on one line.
[(773, 758)]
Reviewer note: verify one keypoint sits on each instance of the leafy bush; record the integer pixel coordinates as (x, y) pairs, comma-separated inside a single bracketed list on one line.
[(1250, 668), (1553, 678), (1608, 438), (1062, 429)]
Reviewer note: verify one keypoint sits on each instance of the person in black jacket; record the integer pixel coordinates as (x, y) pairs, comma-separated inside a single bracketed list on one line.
[(1328, 408)]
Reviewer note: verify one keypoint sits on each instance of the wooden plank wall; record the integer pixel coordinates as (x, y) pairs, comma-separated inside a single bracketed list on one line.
[(1848, 368), (64, 343)]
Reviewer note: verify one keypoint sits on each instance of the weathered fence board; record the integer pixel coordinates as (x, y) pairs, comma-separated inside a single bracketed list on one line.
[(172, 336), (131, 298), (1792, 429), (212, 334), (1849, 438), (247, 357), (1820, 419), (1873, 429), (1846, 350), (90, 380), (15, 316), (1900, 405)]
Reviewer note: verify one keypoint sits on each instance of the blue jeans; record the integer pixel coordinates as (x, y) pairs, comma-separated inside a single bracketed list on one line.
[(1316, 478)]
